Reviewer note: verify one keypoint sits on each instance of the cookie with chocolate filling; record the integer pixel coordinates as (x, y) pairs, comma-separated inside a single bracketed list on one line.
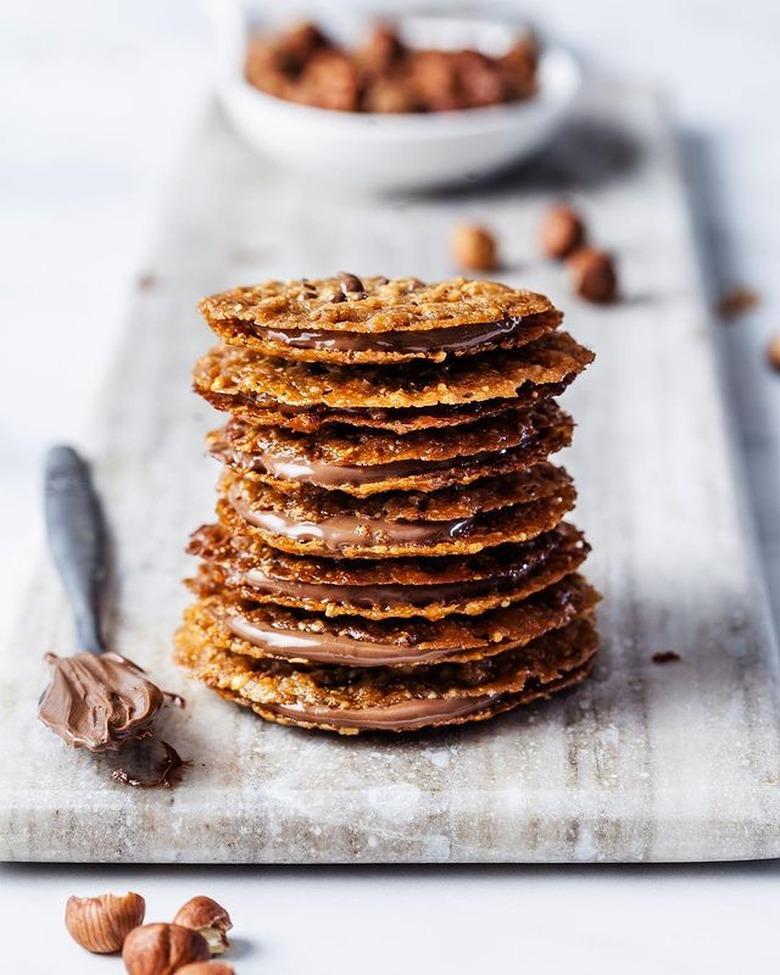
[(378, 589), (303, 457), (349, 701), (311, 419), (264, 381), (247, 627), (372, 320), (288, 461), (352, 533)]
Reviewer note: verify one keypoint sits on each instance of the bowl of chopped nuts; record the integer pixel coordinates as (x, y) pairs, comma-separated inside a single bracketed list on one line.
[(410, 103)]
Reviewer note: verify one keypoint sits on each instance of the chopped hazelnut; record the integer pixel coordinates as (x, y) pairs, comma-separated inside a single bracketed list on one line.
[(101, 924), (382, 49), (593, 274), (474, 248), (209, 918), (561, 232), (479, 79), (162, 949)]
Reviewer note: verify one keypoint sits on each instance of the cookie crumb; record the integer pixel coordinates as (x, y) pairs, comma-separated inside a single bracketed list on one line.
[(665, 657), (146, 282)]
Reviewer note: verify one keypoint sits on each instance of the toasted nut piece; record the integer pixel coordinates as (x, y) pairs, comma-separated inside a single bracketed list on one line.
[(737, 301), (209, 918), (474, 247), (162, 949), (350, 283), (101, 924), (561, 232), (773, 352), (593, 274), (207, 968)]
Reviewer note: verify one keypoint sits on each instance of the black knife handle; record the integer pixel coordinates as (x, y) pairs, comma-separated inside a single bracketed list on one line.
[(77, 539)]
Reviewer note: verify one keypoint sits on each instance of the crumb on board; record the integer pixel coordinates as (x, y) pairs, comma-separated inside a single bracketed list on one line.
[(665, 657), (736, 302)]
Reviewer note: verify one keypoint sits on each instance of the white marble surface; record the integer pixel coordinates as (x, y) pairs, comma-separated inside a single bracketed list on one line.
[(95, 104)]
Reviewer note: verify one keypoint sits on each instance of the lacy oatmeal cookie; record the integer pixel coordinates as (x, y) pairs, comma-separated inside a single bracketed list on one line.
[(245, 450), (351, 535), (468, 585), (374, 320), (361, 447), (310, 503), (349, 701), (269, 382), (301, 419), (248, 628)]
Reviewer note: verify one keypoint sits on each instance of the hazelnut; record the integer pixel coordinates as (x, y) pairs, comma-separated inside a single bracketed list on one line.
[(474, 248), (350, 283), (210, 919), (593, 274), (207, 968), (101, 924), (561, 232), (162, 949), (773, 352)]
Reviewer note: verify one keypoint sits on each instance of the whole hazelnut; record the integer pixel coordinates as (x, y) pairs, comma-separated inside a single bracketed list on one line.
[(207, 968), (593, 274), (773, 352), (101, 924), (474, 248), (209, 918), (350, 283), (162, 949), (561, 232)]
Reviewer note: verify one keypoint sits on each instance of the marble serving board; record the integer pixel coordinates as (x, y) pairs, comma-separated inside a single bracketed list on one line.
[(645, 762)]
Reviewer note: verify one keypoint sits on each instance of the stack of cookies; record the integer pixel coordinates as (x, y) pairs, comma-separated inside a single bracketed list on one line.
[(389, 551)]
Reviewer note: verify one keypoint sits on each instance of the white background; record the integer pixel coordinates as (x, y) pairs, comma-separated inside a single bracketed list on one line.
[(96, 100)]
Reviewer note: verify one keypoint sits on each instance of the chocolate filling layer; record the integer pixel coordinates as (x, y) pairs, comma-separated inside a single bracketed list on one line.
[(405, 716), (459, 338), (292, 468), (326, 648), (342, 531), (390, 595)]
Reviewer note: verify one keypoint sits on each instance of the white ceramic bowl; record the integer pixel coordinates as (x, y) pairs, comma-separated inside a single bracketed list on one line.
[(400, 152)]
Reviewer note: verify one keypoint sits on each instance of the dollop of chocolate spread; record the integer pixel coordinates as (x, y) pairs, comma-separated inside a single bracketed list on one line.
[(99, 702)]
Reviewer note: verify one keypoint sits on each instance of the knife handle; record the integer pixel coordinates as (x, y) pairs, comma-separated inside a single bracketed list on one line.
[(77, 539)]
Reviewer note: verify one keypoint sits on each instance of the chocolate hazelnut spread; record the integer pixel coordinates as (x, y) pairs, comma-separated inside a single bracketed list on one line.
[(290, 467), (326, 648), (406, 716), (99, 702), (460, 338), (342, 531), (388, 595)]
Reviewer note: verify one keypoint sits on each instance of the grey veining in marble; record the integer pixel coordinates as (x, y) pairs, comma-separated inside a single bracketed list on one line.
[(645, 762)]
